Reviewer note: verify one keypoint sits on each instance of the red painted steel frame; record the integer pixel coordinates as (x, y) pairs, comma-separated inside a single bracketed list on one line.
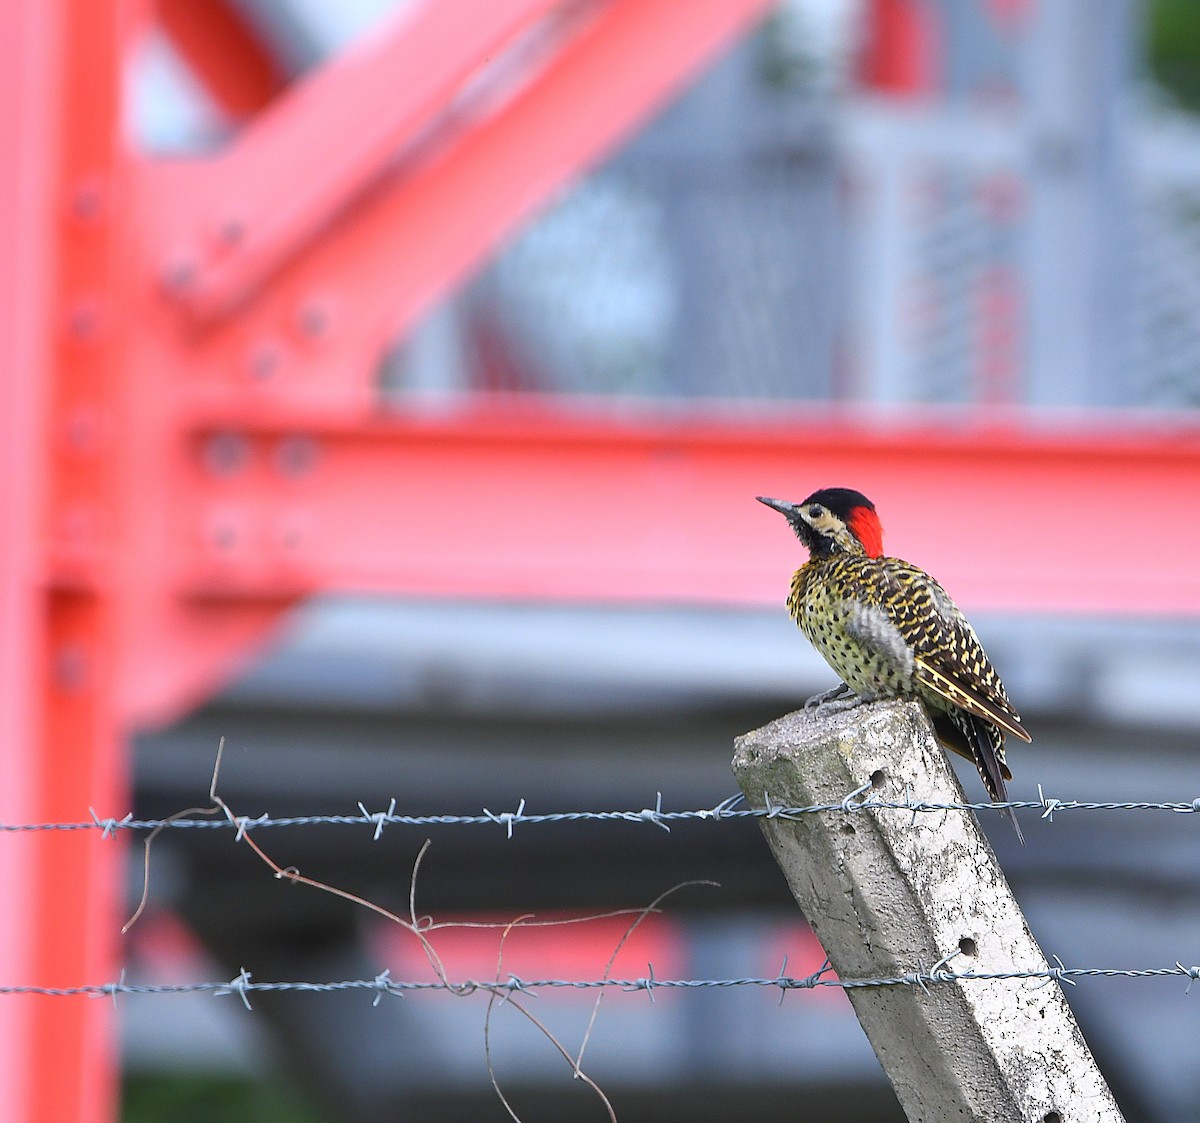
[(191, 441), (58, 383), (222, 49), (306, 158), (133, 293), (26, 213), (527, 502), (394, 238), (899, 53)]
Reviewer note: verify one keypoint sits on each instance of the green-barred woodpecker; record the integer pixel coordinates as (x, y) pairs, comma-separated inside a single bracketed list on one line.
[(891, 631)]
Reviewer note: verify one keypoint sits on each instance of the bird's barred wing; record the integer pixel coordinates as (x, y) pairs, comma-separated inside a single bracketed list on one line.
[(961, 695), (954, 690), (947, 657)]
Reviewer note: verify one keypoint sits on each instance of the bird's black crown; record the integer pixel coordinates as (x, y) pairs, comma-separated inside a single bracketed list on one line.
[(840, 500)]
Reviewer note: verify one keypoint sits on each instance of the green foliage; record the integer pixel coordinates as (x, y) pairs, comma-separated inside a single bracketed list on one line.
[(201, 1099), (1173, 47)]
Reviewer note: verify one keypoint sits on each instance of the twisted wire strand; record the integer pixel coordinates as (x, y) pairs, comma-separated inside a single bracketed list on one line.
[(244, 986), (728, 809)]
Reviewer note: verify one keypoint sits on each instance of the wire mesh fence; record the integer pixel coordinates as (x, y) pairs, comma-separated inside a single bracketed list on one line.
[(759, 246)]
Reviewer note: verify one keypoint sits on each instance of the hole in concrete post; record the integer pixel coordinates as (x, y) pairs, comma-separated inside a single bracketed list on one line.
[(848, 828), (1052, 1117), (967, 946), (877, 778)]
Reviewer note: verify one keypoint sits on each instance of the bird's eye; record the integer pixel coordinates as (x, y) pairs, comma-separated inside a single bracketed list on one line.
[(814, 512)]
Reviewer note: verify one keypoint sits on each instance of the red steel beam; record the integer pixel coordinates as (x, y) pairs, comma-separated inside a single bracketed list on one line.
[(82, 753), (315, 332), (224, 52), (529, 503), (545, 505), (28, 112), (61, 69), (375, 271), (900, 53), (413, 242), (303, 160)]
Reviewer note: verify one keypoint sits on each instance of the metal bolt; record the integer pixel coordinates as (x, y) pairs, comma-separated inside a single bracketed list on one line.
[(82, 430), (231, 230), (226, 454), (313, 319), (84, 321), (179, 275), (291, 533), (265, 360), (78, 524), (88, 202), (224, 534), (71, 667), (296, 456)]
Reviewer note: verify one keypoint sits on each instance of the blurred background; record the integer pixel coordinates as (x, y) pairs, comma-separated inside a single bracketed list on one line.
[(885, 212)]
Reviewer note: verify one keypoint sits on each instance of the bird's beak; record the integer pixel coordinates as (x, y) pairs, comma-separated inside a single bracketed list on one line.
[(780, 505)]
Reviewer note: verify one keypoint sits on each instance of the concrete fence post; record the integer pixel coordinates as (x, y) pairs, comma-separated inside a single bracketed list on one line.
[(889, 893)]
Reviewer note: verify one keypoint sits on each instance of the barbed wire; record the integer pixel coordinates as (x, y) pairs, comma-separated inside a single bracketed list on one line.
[(727, 809), (244, 986)]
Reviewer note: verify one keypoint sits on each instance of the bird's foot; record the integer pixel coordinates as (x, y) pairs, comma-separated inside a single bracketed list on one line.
[(841, 697)]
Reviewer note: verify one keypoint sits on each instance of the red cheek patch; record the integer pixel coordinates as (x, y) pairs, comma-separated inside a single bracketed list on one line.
[(865, 526)]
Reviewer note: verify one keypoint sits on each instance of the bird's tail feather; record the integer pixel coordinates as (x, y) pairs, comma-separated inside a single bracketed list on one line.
[(969, 736), (990, 768)]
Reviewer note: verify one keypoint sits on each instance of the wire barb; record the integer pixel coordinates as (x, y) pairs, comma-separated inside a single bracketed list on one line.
[(383, 985), (506, 819), (848, 805), (109, 827), (111, 990), (379, 818), (655, 814), (245, 822), (1049, 805), (648, 983), (724, 809), (240, 984)]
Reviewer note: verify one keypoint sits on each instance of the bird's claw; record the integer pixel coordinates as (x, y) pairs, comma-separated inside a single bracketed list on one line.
[(841, 694)]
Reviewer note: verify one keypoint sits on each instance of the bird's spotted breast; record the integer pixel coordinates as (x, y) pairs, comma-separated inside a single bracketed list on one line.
[(838, 609)]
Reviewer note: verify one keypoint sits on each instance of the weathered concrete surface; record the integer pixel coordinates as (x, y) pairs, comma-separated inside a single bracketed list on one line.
[(887, 897)]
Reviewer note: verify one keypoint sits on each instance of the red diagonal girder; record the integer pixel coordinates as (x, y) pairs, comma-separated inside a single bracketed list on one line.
[(297, 166), (224, 51), (411, 242), (421, 230), (315, 331)]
